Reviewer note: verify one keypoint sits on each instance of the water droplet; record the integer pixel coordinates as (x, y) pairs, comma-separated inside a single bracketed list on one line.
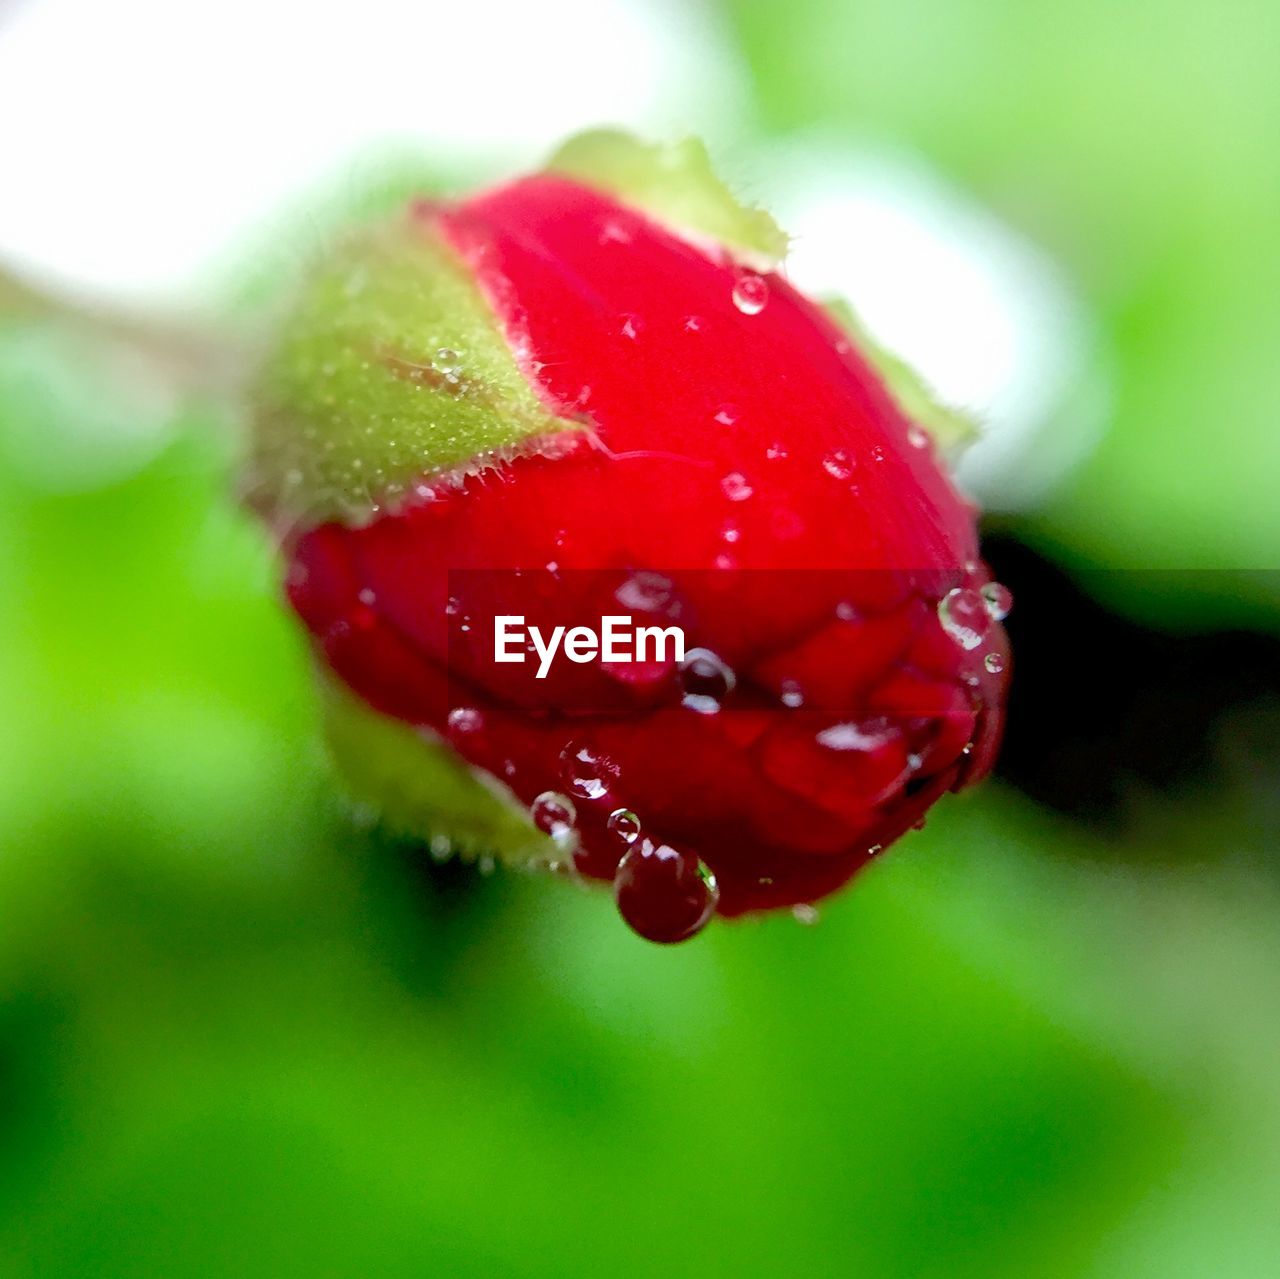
[(647, 592), (441, 848), (663, 894), (917, 436), (730, 532), (693, 323), (452, 606), (632, 326), (367, 597), (865, 735), (727, 415), (963, 614), (792, 695), (994, 663), (614, 233), (623, 825), (587, 772), (998, 599), (877, 452), (805, 914), (447, 361), (736, 487), (706, 680), (463, 720), (839, 464), (554, 815), (874, 849), (750, 292)]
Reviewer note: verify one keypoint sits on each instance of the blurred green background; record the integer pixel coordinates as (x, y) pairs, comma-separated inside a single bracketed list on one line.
[(240, 1034)]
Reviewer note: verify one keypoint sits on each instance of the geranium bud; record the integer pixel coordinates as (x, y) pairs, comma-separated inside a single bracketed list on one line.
[(616, 551)]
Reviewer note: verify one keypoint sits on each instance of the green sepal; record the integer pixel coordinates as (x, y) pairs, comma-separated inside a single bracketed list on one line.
[(675, 184), (390, 368), (421, 787), (951, 429)]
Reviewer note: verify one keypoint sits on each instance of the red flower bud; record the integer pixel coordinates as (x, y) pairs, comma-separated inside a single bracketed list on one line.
[(587, 396)]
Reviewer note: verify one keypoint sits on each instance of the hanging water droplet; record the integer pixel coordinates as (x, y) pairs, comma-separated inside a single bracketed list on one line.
[(554, 815), (963, 614), (998, 599), (994, 663), (623, 825), (587, 772), (839, 464), (750, 292), (664, 895), (736, 487)]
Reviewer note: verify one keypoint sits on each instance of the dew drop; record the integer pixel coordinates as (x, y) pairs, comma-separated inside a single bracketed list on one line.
[(994, 663), (632, 326), (623, 825), (464, 720), (614, 233), (917, 436), (736, 487), (805, 914), (587, 772), (750, 292), (963, 614), (706, 680), (839, 464), (554, 815), (727, 415), (999, 600), (663, 894)]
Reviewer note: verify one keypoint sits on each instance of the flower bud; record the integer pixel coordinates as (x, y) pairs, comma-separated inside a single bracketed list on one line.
[(617, 552)]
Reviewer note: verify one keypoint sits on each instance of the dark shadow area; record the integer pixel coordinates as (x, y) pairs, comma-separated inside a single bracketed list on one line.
[(1101, 705)]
